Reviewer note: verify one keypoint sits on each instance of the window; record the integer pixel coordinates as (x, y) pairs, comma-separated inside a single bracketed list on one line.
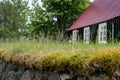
[(87, 35), (75, 33), (102, 33)]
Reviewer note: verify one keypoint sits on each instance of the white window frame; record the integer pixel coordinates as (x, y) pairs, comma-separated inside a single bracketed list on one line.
[(74, 35), (102, 33), (87, 35)]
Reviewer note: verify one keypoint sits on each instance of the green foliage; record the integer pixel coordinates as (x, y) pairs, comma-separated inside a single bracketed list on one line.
[(13, 18), (56, 16), (51, 20)]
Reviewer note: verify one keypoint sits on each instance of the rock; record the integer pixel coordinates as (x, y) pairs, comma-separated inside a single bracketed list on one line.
[(11, 72), (2, 68), (81, 78), (117, 72), (37, 75), (44, 76), (64, 77), (12, 76), (11, 67), (98, 77), (26, 75), (8, 71), (54, 76)]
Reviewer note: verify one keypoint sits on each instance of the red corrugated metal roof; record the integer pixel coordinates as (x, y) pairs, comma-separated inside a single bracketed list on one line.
[(98, 11)]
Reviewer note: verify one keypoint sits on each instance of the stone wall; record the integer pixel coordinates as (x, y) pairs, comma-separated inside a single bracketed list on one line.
[(10, 71)]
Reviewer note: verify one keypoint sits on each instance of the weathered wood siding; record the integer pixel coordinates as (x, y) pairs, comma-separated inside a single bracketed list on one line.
[(94, 31)]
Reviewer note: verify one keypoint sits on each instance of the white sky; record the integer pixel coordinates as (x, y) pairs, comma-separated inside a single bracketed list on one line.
[(30, 2), (91, 0)]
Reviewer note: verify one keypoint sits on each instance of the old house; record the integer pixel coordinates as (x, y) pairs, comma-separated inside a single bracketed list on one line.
[(100, 22)]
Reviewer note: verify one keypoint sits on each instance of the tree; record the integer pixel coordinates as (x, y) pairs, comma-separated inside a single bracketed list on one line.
[(13, 18), (65, 11), (56, 16), (40, 22)]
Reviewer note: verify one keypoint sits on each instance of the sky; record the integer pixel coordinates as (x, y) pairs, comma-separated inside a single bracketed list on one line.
[(91, 0), (40, 3), (30, 2)]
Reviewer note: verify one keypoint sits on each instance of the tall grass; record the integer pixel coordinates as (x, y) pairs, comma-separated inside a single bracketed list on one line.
[(48, 47)]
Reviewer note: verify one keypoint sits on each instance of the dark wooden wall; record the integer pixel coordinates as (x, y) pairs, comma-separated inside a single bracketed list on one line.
[(116, 23), (93, 33), (80, 34)]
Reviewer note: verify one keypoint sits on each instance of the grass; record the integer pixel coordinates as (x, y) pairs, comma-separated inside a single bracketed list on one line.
[(49, 47), (78, 58)]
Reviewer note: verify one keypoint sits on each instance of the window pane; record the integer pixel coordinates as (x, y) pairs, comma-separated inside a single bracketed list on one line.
[(86, 34), (102, 32)]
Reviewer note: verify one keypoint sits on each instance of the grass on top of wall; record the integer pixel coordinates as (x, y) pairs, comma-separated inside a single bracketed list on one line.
[(77, 58)]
